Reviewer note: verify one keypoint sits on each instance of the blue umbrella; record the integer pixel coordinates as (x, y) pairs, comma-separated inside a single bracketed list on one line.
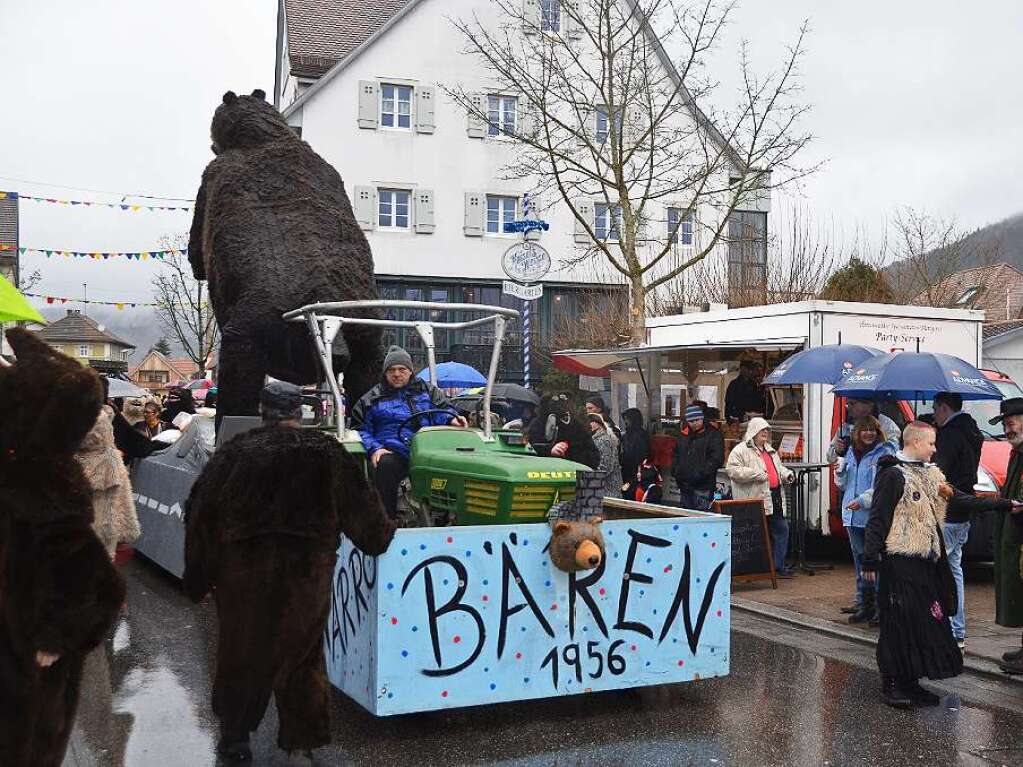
[(823, 364), (455, 375), (916, 375)]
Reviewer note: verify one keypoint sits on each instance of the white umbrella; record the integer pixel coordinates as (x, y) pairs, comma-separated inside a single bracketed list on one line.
[(120, 388)]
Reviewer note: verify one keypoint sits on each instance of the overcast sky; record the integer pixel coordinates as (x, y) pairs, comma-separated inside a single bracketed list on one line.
[(916, 102)]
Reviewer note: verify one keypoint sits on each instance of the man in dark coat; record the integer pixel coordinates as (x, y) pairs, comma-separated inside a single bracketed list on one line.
[(59, 592), (699, 453), (744, 394), (959, 443), (262, 529), (273, 230), (1009, 535)]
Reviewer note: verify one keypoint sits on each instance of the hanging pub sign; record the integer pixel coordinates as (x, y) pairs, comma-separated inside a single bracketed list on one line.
[(526, 261), (464, 616)]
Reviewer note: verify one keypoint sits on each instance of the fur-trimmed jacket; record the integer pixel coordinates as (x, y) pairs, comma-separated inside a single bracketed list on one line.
[(115, 518), (279, 482), (908, 513)]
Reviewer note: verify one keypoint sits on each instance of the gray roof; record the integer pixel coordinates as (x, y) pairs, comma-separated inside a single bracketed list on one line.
[(322, 32), (77, 327), (994, 329)]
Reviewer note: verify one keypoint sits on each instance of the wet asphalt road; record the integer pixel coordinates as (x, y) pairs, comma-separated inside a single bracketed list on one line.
[(793, 698)]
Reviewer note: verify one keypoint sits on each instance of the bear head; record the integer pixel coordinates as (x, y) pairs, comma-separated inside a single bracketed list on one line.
[(48, 402), (247, 122), (576, 546)]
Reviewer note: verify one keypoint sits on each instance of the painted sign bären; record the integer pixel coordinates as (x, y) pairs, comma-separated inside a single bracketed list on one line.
[(453, 617)]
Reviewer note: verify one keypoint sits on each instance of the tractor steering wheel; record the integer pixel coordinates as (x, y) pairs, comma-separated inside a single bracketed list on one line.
[(404, 424)]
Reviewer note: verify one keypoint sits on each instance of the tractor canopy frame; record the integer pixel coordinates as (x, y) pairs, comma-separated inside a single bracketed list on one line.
[(325, 321)]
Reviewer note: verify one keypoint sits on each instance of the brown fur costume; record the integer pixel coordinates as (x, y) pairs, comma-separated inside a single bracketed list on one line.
[(273, 230), (59, 592), (262, 527)]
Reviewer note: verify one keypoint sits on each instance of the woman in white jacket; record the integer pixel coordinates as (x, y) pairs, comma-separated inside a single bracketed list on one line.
[(756, 471)]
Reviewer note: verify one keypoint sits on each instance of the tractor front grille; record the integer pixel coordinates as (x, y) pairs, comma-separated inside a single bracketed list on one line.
[(482, 497), (534, 501), (439, 499)]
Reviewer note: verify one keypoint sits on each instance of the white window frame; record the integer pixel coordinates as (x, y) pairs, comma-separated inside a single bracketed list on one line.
[(498, 104), (604, 228), (85, 353), (396, 102), (502, 218), (390, 195), (602, 113), (551, 16), (682, 237)]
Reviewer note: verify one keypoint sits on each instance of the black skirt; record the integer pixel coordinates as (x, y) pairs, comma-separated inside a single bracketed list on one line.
[(916, 637)]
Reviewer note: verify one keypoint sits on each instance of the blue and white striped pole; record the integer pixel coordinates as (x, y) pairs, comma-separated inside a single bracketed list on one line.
[(526, 333)]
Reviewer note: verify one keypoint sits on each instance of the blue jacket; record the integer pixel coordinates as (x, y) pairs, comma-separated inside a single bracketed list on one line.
[(381, 410), (857, 482)]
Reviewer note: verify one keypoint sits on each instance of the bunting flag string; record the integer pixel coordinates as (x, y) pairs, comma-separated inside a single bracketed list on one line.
[(126, 206), (136, 255), (65, 300)]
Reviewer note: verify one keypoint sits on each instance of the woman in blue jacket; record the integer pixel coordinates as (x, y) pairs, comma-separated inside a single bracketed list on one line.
[(381, 411), (856, 479)]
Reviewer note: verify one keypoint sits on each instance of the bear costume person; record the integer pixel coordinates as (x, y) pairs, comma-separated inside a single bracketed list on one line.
[(59, 591), (273, 230), (555, 431), (262, 527)]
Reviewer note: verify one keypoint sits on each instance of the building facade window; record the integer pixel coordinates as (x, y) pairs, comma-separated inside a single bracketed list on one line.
[(680, 233), (83, 350), (602, 123), (393, 208), (396, 106), (607, 221), (747, 250), (500, 211), (550, 15), (501, 114)]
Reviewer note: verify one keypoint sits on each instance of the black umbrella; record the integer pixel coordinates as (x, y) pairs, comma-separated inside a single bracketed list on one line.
[(507, 392)]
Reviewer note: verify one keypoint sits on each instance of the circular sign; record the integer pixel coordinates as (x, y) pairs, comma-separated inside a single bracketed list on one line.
[(526, 261)]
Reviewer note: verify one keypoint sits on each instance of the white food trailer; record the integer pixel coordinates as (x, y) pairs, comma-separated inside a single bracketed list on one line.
[(696, 356)]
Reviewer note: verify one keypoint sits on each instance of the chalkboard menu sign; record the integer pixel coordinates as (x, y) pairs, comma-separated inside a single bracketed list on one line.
[(751, 543)]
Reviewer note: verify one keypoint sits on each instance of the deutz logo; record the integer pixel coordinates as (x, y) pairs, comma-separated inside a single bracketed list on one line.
[(550, 474)]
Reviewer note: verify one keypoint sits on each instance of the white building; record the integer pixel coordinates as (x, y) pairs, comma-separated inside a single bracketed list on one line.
[(363, 82)]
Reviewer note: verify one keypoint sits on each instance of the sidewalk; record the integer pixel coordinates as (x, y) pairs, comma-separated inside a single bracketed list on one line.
[(817, 599)]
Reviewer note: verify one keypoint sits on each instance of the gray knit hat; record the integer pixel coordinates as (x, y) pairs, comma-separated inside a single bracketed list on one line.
[(397, 356)]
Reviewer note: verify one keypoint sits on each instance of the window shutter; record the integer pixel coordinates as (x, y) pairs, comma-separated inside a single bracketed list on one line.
[(527, 122), (425, 97), (585, 209), (424, 211), (365, 206), (569, 26), (531, 16), (474, 207), (369, 112), (588, 128), (477, 126)]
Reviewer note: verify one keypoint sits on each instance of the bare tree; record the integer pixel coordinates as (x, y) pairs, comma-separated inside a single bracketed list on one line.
[(610, 126), (930, 255), (183, 305)]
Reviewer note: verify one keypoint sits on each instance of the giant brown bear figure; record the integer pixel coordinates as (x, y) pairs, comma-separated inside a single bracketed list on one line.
[(273, 230), (59, 592)]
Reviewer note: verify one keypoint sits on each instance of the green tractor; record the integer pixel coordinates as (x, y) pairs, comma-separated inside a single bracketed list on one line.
[(474, 476)]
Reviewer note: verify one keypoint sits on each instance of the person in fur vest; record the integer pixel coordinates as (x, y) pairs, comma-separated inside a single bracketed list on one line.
[(114, 516), (904, 552), (262, 527), (755, 470), (59, 591)]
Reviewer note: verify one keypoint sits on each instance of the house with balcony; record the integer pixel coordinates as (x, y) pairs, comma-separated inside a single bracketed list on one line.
[(81, 337), (364, 84)]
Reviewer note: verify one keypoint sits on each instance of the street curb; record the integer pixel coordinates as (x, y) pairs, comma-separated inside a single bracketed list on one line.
[(971, 662)]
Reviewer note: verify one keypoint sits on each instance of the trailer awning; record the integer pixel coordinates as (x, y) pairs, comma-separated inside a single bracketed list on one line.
[(598, 362)]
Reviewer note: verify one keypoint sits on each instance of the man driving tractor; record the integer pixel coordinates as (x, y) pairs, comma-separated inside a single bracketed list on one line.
[(387, 416)]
